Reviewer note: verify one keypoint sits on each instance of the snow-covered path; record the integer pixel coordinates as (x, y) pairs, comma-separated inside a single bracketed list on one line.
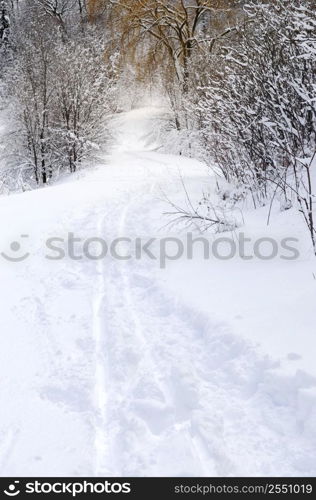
[(105, 371)]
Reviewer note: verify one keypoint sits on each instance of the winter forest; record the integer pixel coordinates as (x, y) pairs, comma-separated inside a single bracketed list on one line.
[(183, 132), (239, 78)]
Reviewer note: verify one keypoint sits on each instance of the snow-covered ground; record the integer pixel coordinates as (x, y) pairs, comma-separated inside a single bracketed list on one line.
[(118, 367)]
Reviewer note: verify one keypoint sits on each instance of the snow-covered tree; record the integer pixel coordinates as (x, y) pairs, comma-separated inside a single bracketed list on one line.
[(83, 95), (258, 109), (4, 21), (60, 89)]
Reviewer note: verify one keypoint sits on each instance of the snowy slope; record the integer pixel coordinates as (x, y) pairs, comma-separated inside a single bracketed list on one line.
[(114, 367)]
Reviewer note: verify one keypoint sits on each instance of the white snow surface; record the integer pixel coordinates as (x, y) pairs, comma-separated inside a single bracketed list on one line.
[(120, 368)]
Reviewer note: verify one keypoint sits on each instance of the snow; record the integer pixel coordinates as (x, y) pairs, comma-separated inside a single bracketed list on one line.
[(116, 368)]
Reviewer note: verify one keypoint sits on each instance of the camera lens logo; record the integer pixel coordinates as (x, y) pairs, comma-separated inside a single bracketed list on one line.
[(17, 254), (12, 490)]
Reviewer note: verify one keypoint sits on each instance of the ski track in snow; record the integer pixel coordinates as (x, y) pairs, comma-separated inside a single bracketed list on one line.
[(101, 362), (146, 385), (184, 396)]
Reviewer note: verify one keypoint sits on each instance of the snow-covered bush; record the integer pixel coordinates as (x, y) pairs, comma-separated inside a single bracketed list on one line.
[(60, 88), (84, 89), (259, 106)]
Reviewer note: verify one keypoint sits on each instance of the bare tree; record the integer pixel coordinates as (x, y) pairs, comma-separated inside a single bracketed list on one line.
[(176, 29)]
